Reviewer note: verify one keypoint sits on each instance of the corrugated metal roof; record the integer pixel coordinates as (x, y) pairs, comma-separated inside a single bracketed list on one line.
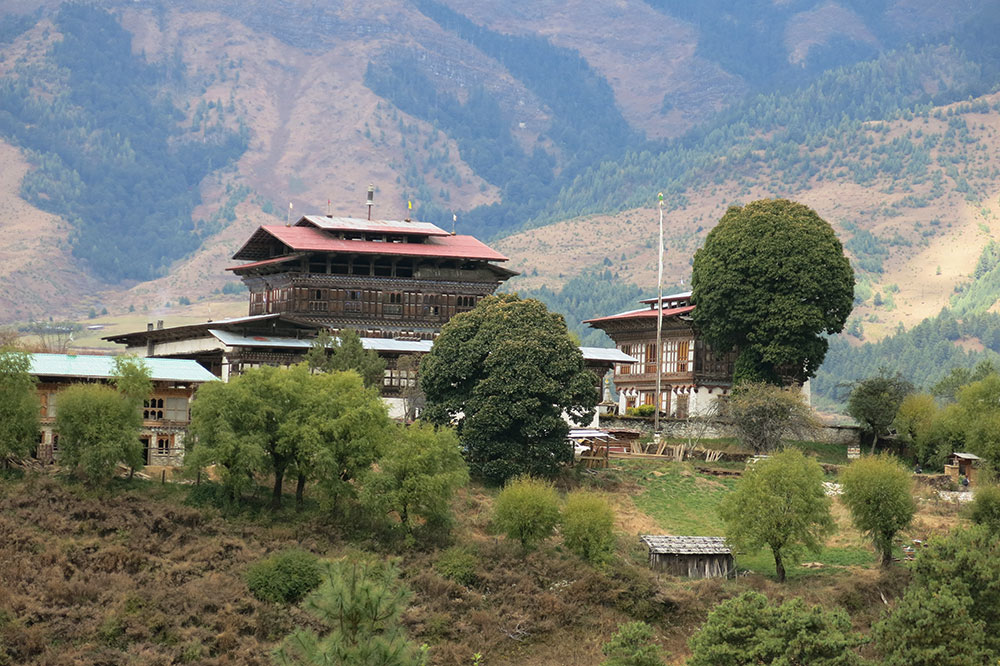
[(378, 344), (641, 314), (231, 339), (967, 456), (402, 227), (402, 346), (101, 367), (606, 354), (679, 296), (587, 433), (311, 239), (686, 545)]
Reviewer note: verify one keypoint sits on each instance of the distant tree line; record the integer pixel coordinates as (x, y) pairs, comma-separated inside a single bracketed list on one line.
[(924, 354), (588, 295)]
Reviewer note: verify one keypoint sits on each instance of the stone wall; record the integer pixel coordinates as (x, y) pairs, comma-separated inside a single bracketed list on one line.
[(680, 428)]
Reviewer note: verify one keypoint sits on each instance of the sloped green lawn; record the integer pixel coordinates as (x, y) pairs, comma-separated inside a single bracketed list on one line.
[(683, 502)]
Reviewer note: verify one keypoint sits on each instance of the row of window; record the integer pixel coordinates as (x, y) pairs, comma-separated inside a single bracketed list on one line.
[(165, 409), (160, 445), (153, 409), (360, 301), (678, 356)]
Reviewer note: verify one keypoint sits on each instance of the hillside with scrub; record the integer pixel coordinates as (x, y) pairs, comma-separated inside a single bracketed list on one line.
[(159, 573)]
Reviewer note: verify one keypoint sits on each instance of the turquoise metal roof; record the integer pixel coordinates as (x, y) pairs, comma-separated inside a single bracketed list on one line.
[(101, 367)]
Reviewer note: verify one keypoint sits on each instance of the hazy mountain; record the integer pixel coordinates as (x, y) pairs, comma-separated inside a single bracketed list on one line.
[(154, 135)]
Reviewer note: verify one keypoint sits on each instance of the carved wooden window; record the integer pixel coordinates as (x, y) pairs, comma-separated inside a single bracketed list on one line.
[(650, 365), (683, 351), (152, 409), (162, 446)]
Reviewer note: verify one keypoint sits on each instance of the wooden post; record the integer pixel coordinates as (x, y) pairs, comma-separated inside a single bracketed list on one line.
[(163, 476)]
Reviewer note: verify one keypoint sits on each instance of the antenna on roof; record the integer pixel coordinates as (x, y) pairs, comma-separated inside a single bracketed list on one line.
[(454, 219), (371, 200), (288, 215), (409, 208), (328, 213)]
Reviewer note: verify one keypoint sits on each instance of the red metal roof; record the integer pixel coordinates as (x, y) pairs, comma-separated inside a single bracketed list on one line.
[(648, 313), (311, 239), (270, 262)]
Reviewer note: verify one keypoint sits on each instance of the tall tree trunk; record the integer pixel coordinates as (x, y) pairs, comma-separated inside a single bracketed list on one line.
[(279, 477), (886, 548), (874, 441), (779, 566), (300, 490)]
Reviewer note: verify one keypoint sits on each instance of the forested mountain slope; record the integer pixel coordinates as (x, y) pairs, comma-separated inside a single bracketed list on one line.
[(159, 132)]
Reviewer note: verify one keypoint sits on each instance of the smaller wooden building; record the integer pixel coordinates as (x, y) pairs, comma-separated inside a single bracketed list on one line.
[(165, 414), (962, 464), (690, 556)]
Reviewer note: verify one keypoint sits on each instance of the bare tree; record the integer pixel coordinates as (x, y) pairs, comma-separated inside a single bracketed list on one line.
[(762, 415)]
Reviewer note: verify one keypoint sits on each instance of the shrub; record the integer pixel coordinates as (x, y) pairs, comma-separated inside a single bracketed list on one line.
[(632, 645), (286, 577), (750, 630), (457, 564), (985, 509), (641, 410), (587, 526), (360, 604), (527, 510)]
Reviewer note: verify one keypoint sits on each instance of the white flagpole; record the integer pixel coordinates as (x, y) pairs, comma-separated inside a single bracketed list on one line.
[(659, 327)]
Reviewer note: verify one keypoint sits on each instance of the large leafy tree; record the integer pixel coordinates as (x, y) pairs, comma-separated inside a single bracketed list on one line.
[(749, 630), (779, 504), (505, 373), (19, 405), (340, 428), (771, 279), (276, 420), (877, 491), (346, 352), (417, 475), (98, 428), (874, 402)]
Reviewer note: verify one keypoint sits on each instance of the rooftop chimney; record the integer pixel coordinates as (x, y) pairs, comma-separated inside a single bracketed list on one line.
[(149, 326), (371, 200), (159, 324)]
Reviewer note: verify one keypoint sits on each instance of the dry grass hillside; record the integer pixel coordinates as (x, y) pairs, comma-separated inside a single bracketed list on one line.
[(155, 574), (38, 275)]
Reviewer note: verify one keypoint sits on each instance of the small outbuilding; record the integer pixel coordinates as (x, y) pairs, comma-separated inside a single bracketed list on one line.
[(962, 464), (690, 556)]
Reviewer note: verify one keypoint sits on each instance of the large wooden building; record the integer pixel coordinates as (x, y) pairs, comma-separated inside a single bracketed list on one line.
[(383, 278), (395, 282), (692, 375)]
